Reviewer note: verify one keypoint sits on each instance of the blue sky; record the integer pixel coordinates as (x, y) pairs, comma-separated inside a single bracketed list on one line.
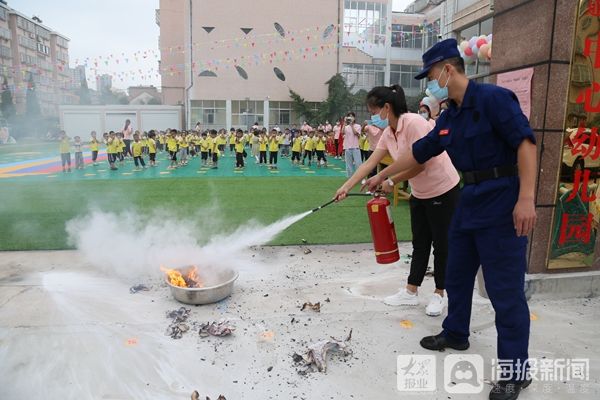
[(99, 28)]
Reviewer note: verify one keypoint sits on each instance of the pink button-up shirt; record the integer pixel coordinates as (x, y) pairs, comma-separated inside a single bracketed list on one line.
[(439, 175), (351, 138), (336, 131), (373, 136)]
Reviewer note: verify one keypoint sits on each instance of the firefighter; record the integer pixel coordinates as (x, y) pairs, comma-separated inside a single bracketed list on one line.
[(490, 142)]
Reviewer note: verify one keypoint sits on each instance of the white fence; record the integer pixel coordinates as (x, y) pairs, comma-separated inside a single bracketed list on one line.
[(81, 120)]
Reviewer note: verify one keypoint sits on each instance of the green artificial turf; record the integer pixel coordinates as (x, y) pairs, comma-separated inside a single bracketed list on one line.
[(33, 214)]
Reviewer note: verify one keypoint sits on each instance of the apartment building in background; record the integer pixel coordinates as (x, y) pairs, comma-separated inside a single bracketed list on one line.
[(233, 63), (104, 83), (33, 54), (6, 58), (77, 76)]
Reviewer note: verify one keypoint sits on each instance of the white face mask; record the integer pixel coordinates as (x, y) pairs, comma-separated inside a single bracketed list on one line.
[(424, 115)]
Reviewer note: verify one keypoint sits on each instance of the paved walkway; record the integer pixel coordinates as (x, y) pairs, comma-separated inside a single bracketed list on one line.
[(68, 331)]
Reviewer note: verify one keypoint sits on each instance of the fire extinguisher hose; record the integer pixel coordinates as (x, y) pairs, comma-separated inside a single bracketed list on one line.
[(333, 201)]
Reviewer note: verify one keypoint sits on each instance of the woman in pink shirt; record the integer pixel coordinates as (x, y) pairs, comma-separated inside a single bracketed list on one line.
[(336, 138), (434, 186), (351, 133), (127, 133)]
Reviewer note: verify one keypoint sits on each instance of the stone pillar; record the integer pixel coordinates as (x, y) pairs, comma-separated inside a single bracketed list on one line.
[(266, 114), (228, 114), (539, 34)]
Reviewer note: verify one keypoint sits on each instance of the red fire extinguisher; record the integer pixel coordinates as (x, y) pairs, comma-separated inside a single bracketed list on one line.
[(383, 230)]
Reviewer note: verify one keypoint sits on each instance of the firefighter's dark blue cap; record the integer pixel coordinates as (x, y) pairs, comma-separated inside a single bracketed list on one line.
[(439, 52)]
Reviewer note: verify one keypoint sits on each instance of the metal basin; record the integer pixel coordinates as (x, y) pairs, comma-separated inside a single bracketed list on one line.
[(218, 284)]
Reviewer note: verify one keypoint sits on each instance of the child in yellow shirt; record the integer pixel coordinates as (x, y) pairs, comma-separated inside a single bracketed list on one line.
[(172, 148), (320, 148), (296, 149), (152, 147), (144, 140), (204, 146), (274, 142), (308, 148), (137, 149), (162, 141), (94, 147), (120, 147), (221, 142), (239, 143), (112, 144), (262, 148), (65, 151), (214, 147), (232, 139), (183, 148)]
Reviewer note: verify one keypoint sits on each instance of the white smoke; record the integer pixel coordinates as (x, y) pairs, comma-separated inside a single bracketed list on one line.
[(131, 245)]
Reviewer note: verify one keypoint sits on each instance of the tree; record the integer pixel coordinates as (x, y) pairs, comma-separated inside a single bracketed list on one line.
[(339, 101), (154, 102), (302, 107), (107, 96), (413, 102), (7, 106), (84, 93)]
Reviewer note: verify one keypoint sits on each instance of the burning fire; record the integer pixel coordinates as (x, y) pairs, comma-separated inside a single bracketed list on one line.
[(190, 280)]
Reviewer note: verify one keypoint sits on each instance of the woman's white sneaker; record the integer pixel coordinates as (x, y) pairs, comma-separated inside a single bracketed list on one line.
[(435, 306), (402, 298)]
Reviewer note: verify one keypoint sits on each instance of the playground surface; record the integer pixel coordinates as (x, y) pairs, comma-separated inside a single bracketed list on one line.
[(38, 199), (42, 161)]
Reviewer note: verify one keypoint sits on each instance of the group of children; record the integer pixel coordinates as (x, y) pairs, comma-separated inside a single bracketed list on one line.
[(209, 146)]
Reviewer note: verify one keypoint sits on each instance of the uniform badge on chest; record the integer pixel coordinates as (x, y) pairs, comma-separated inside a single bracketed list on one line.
[(444, 132)]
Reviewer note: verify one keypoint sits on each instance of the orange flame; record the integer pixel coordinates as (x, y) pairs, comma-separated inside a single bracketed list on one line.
[(176, 278)]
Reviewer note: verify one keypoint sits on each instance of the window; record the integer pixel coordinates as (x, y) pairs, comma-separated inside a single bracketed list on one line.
[(43, 48), (26, 42), (363, 76), (62, 42), (365, 19), (404, 75), (244, 113), (43, 64), (42, 33), (280, 113), (25, 24), (62, 56), (5, 52), (3, 14), (407, 36), (432, 31), (210, 113), (5, 33), (27, 59), (478, 67)]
